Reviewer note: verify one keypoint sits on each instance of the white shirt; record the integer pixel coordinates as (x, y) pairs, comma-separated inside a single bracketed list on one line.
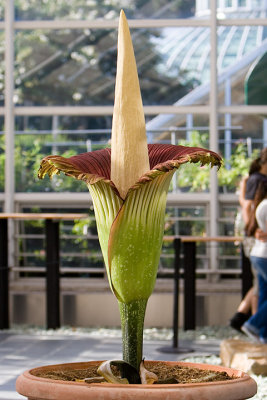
[(260, 248)]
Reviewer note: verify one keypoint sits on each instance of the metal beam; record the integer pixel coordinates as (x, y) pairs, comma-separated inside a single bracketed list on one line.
[(109, 24), (9, 107), (107, 110), (9, 123), (133, 23), (213, 132), (149, 110)]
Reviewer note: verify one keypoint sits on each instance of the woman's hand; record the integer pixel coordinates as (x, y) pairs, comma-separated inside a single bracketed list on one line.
[(261, 235)]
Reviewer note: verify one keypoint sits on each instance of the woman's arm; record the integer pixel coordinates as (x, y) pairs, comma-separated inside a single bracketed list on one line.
[(261, 235), (245, 204), (242, 190), (247, 210)]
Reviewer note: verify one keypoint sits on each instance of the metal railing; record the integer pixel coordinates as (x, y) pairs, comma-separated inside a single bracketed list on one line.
[(52, 269), (52, 263)]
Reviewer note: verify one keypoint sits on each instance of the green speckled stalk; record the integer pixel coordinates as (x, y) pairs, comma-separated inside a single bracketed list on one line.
[(132, 325)]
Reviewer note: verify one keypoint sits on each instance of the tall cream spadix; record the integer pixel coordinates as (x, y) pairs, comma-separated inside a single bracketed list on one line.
[(129, 154)]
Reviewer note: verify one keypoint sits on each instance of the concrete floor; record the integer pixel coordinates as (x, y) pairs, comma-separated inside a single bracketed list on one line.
[(19, 352)]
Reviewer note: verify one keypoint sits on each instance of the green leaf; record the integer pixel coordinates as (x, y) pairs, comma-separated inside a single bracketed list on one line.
[(136, 238), (106, 207)]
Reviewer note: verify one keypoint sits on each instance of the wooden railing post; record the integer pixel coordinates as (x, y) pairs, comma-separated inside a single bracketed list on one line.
[(4, 281), (52, 274), (189, 285)]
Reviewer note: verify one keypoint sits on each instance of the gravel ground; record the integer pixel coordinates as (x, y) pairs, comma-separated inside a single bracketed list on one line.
[(203, 333)]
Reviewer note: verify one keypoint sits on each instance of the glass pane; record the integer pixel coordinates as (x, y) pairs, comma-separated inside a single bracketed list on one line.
[(92, 9), (38, 137), (183, 221), (2, 9), (79, 245), (71, 67), (239, 8), (185, 130), (239, 145), (227, 220), (229, 261), (242, 65), (2, 67), (229, 253)]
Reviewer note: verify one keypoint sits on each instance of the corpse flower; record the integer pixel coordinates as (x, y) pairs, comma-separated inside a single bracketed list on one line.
[(129, 184)]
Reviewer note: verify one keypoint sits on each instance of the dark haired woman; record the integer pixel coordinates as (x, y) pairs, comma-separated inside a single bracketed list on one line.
[(247, 188), (257, 174), (256, 326)]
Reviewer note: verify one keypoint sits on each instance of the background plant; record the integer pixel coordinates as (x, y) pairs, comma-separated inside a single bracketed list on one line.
[(229, 175)]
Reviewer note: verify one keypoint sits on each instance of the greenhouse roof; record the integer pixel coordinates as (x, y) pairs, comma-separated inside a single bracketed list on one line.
[(238, 47)]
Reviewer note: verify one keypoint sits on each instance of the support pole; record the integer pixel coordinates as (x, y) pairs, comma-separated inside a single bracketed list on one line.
[(176, 291), (176, 277), (189, 285), (4, 284), (9, 107), (213, 143), (247, 276), (52, 274), (9, 115), (228, 123)]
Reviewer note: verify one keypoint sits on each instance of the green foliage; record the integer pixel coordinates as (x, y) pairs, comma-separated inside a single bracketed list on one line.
[(190, 175), (81, 228), (198, 179), (237, 167), (29, 151), (2, 9), (69, 9)]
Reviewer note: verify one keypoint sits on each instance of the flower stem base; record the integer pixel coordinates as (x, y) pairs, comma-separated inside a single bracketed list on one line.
[(132, 325)]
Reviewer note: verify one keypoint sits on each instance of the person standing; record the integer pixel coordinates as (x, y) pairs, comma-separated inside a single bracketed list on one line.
[(247, 189), (257, 174), (256, 326)]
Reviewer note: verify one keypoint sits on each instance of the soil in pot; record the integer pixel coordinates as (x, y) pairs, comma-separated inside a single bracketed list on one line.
[(165, 373)]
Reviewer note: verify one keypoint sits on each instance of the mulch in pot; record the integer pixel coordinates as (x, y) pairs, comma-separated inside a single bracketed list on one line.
[(166, 374)]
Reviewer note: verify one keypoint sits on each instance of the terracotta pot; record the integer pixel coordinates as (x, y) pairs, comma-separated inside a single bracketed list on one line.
[(35, 388)]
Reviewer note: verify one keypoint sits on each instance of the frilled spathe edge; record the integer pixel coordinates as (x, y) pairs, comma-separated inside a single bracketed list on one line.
[(89, 167), (94, 166), (184, 155)]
